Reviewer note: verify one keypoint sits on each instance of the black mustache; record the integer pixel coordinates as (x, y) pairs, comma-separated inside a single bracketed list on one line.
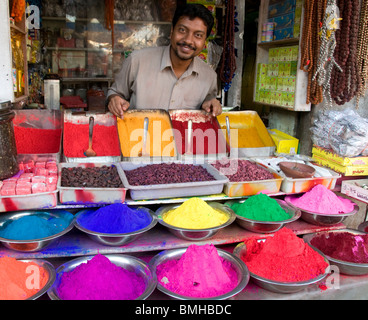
[(184, 44)]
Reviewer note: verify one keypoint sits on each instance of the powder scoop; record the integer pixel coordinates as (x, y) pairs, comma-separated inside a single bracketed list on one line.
[(90, 152)]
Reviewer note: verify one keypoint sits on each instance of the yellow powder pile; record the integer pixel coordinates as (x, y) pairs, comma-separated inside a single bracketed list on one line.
[(195, 213), (160, 137)]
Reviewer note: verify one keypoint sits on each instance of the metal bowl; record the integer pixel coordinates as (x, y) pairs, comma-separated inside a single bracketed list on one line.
[(321, 219), (363, 227), (268, 226), (345, 267), (49, 268), (195, 234), (278, 286), (114, 239), (127, 262), (175, 254), (34, 244)]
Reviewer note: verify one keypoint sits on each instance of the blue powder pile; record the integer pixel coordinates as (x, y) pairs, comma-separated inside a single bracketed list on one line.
[(115, 218), (35, 226)]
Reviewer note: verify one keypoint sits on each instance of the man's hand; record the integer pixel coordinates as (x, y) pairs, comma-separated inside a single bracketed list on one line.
[(117, 106), (212, 106)]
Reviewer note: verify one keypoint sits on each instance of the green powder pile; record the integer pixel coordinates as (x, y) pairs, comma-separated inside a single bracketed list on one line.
[(260, 207)]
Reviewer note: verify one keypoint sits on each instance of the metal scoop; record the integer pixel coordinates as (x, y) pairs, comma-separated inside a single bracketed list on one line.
[(90, 152), (144, 152), (190, 133)]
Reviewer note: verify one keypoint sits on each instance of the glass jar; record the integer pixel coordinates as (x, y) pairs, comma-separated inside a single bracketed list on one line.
[(8, 150)]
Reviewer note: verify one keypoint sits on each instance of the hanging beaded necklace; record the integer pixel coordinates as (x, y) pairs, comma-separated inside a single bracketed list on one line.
[(362, 51), (310, 45), (344, 83), (326, 61)]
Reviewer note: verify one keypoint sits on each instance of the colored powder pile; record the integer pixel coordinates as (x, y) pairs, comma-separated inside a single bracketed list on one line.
[(100, 279), (105, 141), (283, 257), (205, 135), (322, 200), (36, 226), (195, 213), (343, 246), (115, 218), (200, 272), (37, 141), (260, 207), (20, 280), (160, 138)]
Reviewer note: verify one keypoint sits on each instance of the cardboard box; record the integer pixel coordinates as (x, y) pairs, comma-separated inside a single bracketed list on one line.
[(343, 161), (284, 142), (355, 189), (346, 170)]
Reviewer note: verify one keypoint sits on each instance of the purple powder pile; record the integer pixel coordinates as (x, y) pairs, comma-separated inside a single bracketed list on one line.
[(100, 279)]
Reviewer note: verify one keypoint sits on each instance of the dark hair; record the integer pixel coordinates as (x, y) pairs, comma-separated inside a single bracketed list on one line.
[(192, 11)]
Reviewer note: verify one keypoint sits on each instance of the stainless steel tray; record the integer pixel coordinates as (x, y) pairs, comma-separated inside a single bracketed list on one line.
[(172, 190)]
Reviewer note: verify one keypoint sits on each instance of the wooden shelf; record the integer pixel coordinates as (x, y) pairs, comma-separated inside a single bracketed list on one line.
[(279, 43)]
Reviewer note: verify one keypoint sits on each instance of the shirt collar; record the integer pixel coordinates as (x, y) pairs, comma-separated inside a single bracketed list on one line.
[(166, 62)]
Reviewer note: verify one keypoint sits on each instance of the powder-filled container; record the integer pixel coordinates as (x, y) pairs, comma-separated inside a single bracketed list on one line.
[(248, 134), (38, 132), (323, 241), (156, 141), (129, 263), (105, 141), (205, 137), (8, 150)]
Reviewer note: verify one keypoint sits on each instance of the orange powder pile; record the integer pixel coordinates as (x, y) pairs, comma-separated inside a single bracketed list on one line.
[(20, 280), (160, 135)]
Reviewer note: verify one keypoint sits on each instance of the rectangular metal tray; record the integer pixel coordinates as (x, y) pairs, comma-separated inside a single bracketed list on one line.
[(173, 190), (70, 195), (250, 188), (201, 116), (106, 119)]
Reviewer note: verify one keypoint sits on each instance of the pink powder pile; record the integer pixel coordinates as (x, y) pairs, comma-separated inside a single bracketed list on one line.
[(200, 272), (100, 279), (322, 200)]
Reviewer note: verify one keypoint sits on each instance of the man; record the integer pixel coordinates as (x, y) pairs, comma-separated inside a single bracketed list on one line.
[(170, 77)]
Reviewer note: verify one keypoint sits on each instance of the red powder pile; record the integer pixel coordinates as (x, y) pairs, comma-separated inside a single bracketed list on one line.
[(37, 141), (105, 141), (20, 280), (343, 246), (205, 137), (283, 257)]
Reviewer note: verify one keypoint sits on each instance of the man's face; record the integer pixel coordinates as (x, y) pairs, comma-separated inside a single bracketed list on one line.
[(188, 38)]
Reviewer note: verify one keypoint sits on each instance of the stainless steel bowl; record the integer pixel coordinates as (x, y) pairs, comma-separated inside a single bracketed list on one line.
[(51, 276), (127, 262), (320, 219), (268, 226), (345, 267), (195, 234), (34, 244), (363, 227), (115, 239), (175, 254), (278, 286)]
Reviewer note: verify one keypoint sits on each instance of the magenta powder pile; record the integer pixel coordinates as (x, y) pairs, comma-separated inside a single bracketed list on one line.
[(343, 246), (100, 279), (324, 201), (200, 272)]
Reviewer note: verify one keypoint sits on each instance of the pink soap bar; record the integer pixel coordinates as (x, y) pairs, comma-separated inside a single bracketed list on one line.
[(39, 187), (22, 189), (40, 164), (52, 179), (41, 172), (8, 191), (51, 163), (51, 187), (39, 179), (52, 170)]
